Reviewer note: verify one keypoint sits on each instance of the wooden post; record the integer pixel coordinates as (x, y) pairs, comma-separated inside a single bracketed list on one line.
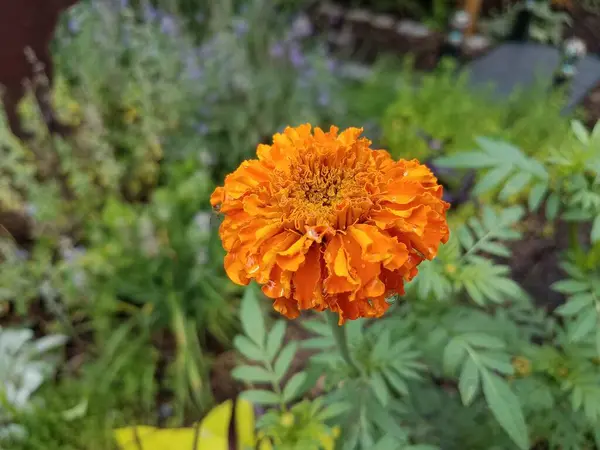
[(472, 7)]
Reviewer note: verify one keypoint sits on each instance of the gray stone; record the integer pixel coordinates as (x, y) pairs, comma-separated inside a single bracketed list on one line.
[(513, 66)]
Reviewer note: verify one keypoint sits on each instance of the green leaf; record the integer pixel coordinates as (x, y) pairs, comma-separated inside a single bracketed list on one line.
[(381, 349), (333, 410), (318, 327), (275, 339), (483, 340), (495, 248), (252, 374), (465, 238), (595, 236), (580, 132), (467, 160), (454, 353), (498, 362), (468, 383), (492, 178), (386, 443), (552, 206), (282, 364), (261, 397), (248, 348), (252, 318), (575, 304), (293, 387), (515, 185), (570, 286), (506, 408), (379, 387), (583, 326), (536, 195), (395, 381)]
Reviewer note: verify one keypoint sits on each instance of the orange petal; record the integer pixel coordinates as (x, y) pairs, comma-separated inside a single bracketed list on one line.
[(307, 280)]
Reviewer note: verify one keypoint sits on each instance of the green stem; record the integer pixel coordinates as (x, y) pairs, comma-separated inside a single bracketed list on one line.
[(341, 340)]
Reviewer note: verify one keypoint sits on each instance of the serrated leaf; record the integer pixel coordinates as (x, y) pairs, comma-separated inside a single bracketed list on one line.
[(468, 383), (261, 397), (454, 354), (570, 286), (318, 327), (467, 160), (536, 195), (498, 362), (483, 340), (506, 408), (275, 339), (515, 185), (293, 387), (252, 374), (465, 238), (395, 381), (582, 327), (282, 364), (580, 132), (379, 388), (248, 348), (495, 248), (492, 179), (333, 410), (252, 318), (575, 304), (386, 443), (381, 349)]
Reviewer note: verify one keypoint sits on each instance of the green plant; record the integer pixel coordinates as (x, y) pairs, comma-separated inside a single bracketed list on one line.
[(467, 343), (25, 364), (547, 25)]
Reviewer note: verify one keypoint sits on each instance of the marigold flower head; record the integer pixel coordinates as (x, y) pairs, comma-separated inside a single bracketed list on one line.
[(322, 221)]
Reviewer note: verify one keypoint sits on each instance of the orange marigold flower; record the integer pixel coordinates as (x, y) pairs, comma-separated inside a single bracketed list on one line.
[(322, 221)]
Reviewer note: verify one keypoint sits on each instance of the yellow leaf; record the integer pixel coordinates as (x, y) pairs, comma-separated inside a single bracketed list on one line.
[(212, 432)]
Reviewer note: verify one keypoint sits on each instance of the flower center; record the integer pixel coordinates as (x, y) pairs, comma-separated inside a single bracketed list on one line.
[(323, 195)]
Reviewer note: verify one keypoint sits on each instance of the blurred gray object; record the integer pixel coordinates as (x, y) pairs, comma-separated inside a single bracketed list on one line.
[(511, 66)]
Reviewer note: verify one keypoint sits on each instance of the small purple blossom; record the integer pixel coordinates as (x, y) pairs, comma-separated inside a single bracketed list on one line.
[(240, 27), (124, 4), (296, 56), (301, 27), (73, 25), (168, 25), (277, 50), (150, 13), (331, 64), (22, 255)]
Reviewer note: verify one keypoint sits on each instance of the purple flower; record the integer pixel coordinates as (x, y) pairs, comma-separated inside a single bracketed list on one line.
[(296, 56), (240, 27), (22, 255), (124, 4), (277, 50), (73, 25), (192, 68), (150, 13), (168, 25), (301, 27), (331, 64)]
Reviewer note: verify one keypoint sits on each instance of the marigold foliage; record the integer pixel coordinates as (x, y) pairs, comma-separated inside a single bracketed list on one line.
[(322, 221)]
